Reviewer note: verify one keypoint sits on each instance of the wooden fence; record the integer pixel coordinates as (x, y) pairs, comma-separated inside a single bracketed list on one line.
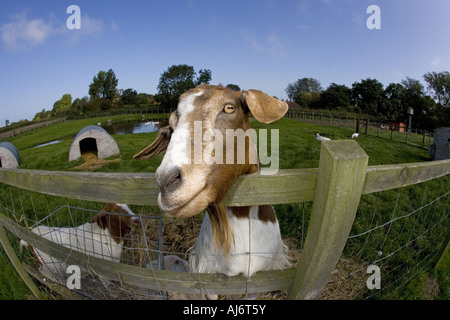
[(335, 189), (16, 131), (371, 126)]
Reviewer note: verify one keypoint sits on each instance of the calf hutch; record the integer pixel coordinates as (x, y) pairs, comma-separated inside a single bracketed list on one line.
[(95, 140), (9, 156)]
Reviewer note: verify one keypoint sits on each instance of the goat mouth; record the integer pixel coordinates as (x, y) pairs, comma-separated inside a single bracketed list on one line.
[(187, 207)]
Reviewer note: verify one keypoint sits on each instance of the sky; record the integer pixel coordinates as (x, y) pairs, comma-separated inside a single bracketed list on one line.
[(256, 44)]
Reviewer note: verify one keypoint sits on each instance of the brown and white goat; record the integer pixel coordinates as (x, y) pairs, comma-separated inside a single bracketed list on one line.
[(232, 240), (101, 237)]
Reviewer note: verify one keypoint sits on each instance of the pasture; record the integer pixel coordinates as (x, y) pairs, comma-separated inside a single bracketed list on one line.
[(298, 149)]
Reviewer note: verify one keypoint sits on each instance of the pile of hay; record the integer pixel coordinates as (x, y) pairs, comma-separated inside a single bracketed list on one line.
[(92, 162)]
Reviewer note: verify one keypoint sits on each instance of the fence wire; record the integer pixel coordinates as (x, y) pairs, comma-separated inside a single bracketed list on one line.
[(159, 243), (400, 231), (402, 238)]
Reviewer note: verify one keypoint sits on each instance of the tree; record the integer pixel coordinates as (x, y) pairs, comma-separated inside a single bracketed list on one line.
[(368, 96), (176, 80), (304, 85), (204, 76), (423, 105), (233, 87), (129, 97), (103, 85), (336, 97), (305, 91), (393, 108), (439, 86), (62, 106)]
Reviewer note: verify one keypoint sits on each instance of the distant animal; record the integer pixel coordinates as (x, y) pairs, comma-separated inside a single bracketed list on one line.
[(100, 237), (355, 135), (320, 138), (227, 234)]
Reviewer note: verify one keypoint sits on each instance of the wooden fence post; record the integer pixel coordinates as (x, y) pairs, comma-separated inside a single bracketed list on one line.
[(4, 241), (340, 181)]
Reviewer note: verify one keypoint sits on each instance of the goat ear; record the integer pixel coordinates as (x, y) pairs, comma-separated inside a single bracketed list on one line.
[(263, 107), (161, 142), (100, 218), (159, 145)]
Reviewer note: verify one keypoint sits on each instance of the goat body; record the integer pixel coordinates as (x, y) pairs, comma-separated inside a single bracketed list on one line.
[(101, 237), (256, 246)]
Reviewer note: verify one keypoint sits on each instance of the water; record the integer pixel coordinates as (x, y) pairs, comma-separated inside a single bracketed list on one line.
[(134, 126), (48, 143), (127, 127)]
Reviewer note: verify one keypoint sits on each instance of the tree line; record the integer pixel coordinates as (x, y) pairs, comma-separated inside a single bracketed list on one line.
[(431, 106), (104, 94)]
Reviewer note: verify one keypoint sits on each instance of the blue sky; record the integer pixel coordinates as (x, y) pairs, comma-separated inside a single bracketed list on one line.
[(256, 44)]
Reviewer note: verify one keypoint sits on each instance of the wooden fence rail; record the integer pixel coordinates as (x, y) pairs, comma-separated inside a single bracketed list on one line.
[(335, 187)]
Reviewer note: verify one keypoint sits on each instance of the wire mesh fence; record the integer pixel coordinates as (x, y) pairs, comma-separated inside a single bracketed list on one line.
[(398, 231), (395, 243), (157, 243)]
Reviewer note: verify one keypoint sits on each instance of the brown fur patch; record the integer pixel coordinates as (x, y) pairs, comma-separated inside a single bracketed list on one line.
[(222, 233), (266, 214), (240, 212), (117, 225)]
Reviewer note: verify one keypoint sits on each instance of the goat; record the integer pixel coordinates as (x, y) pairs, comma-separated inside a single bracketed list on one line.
[(101, 237), (233, 240)]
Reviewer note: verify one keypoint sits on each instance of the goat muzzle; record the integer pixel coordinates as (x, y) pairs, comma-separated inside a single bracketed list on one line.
[(169, 181)]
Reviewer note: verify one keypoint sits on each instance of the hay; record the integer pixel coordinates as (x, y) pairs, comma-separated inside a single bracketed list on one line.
[(92, 162), (142, 246)]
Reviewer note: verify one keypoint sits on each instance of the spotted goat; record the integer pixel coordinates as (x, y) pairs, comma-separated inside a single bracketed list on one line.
[(101, 237), (232, 240)]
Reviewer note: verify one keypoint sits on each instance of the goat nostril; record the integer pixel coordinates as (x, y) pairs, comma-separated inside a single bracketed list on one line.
[(172, 179)]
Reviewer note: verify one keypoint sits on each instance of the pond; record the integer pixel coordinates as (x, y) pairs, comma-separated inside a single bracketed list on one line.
[(126, 127), (134, 126)]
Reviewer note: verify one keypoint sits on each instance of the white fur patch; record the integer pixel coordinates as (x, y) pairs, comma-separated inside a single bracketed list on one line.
[(257, 246), (186, 105), (126, 208)]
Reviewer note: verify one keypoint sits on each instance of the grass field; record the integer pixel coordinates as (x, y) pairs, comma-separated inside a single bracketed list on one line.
[(298, 149)]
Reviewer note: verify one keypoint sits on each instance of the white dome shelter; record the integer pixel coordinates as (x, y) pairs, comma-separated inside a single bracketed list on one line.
[(9, 156), (93, 139)]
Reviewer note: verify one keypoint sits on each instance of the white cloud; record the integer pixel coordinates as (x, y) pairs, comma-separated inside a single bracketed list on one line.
[(22, 33), (436, 63), (89, 27), (272, 43)]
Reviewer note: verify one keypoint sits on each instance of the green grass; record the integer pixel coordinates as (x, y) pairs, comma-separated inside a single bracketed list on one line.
[(298, 149)]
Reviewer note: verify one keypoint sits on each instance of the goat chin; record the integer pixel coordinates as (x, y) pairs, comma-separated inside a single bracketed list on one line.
[(194, 206)]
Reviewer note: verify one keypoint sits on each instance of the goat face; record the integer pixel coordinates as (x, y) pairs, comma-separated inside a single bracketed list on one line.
[(118, 224), (188, 181)]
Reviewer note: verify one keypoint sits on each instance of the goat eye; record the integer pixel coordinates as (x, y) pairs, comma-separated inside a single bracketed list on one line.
[(229, 108)]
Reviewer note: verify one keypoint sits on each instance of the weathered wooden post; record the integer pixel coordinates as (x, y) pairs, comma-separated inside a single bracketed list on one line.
[(340, 181), (4, 241)]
